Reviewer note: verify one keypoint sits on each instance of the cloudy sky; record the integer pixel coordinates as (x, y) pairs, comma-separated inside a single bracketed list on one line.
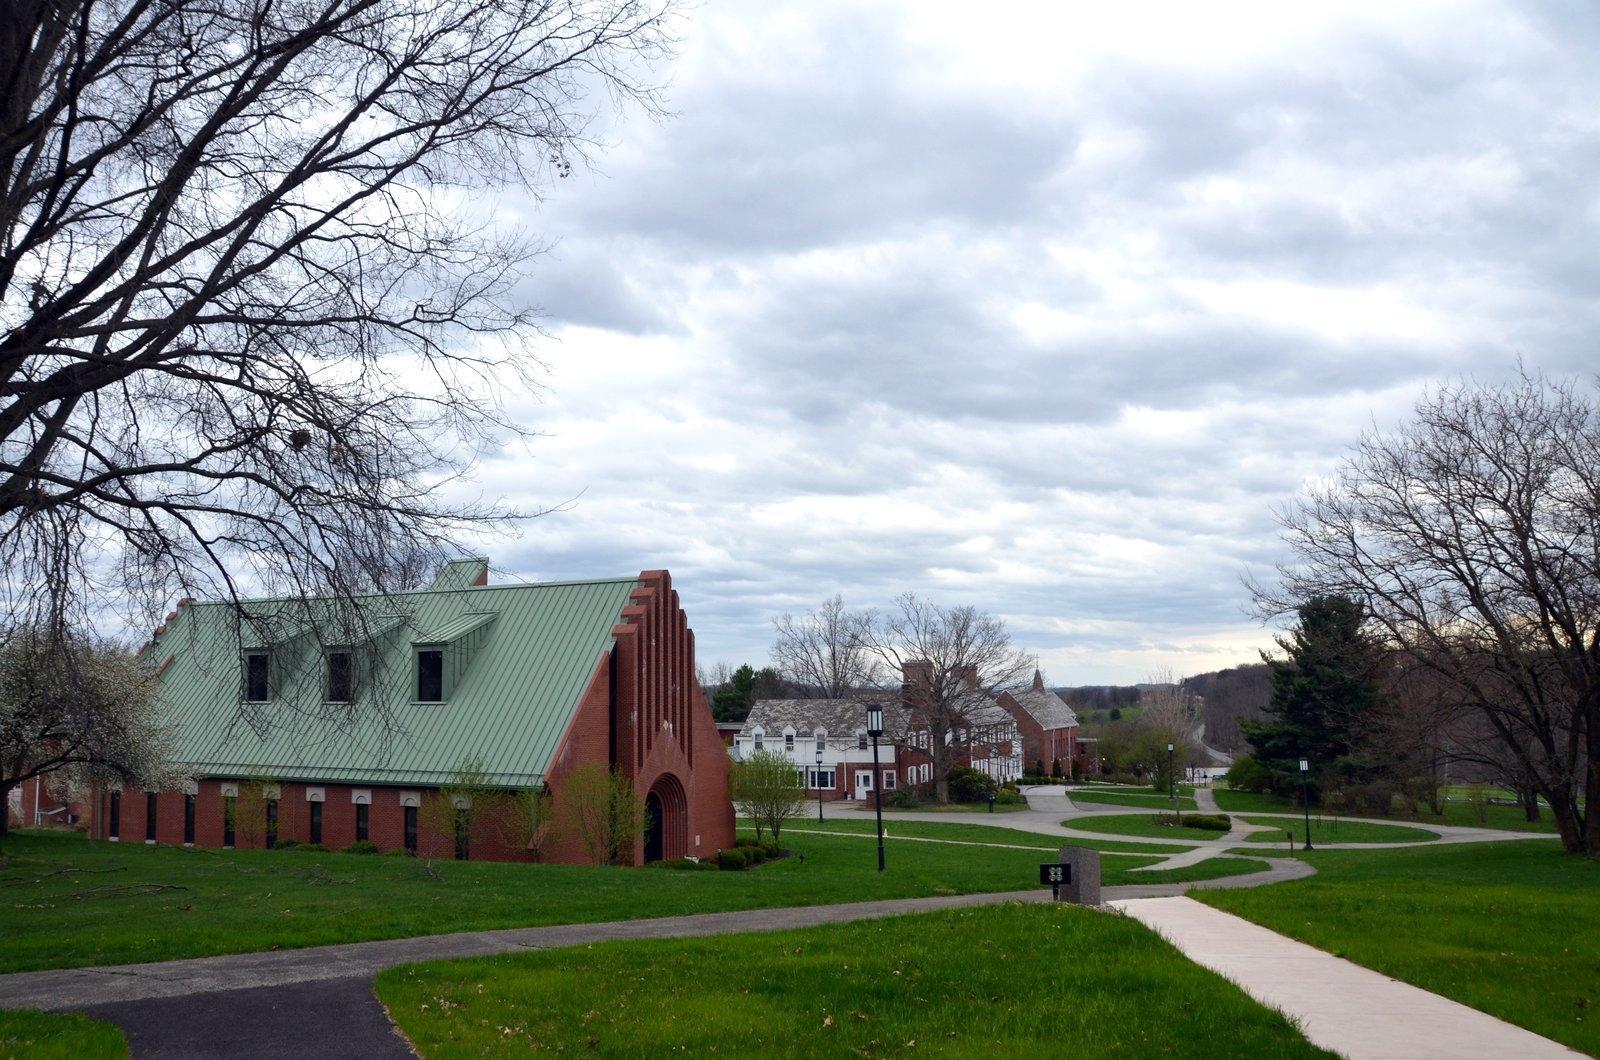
[(1043, 312)]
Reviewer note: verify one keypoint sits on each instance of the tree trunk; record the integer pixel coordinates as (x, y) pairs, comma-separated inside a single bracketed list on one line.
[(1564, 808), (1529, 797)]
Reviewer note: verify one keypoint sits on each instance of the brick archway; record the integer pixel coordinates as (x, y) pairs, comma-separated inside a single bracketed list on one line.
[(666, 835)]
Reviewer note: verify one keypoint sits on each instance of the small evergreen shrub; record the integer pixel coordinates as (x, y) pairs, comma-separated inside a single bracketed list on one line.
[(903, 799), (1210, 822), (1009, 796), (969, 785), (1248, 774), (733, 859), (287, 844), (362, 846)]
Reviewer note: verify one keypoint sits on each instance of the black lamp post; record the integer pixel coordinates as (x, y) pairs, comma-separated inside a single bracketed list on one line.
[(819, 780), (875, 730), (1305, 803), (1172, 784)]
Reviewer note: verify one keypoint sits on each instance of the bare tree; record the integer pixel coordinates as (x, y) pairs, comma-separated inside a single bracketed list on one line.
[(1472, 536), (951, 662), (255, 303), (823, 654)]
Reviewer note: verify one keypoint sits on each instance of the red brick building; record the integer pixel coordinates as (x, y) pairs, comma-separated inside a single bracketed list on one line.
[(1049, 729), (301, 720)]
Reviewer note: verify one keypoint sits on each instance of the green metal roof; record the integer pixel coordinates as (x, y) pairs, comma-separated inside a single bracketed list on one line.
[(518, 659)]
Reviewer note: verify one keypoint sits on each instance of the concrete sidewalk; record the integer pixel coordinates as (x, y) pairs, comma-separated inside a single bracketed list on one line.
[(1355, 1011)]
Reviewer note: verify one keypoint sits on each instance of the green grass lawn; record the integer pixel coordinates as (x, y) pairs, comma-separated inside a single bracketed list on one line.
[(58, 1036), (71, 901), (1509, 928), (1148, 801), (959, 983), (945, 807), (1507, 818), (1230, 801), (971, 833), (1139, 824), (1325, 830)]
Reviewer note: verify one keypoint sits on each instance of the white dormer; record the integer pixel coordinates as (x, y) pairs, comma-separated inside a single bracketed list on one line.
[(788, 738), (758, 738)]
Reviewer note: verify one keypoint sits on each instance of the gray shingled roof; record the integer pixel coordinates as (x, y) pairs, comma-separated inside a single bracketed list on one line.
[(841, 718), (1045, 707)]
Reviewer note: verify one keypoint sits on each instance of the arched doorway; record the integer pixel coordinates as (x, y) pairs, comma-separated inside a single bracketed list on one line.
[(653, 827), (668, 812)]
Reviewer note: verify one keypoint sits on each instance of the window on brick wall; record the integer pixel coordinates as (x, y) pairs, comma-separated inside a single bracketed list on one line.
[(888, 780), (411, 829), (150, 816), (821, 778), (188, 818), (272, 823), (361, 821), (115, 814), (463, 833), (316, 821), (228, 808)]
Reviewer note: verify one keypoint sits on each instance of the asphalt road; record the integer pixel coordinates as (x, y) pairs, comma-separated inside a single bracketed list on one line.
[(318, 1018)]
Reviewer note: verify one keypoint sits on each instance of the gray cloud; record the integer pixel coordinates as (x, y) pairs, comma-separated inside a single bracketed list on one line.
[(896, 304)]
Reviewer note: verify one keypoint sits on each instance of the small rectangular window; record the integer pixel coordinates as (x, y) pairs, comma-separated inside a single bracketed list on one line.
[(788, 741), (116, 814), (257, 688), (272, 823), (361, 821), (430, 675), (411, 829), (861, 741), (340, 677), (888, 780), (188, 818), (463, 833), (758, 741), (150, 816), (228, 806), (316, 822)]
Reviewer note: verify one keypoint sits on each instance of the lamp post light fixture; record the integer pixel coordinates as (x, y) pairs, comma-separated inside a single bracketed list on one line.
[(1305, 803), (819, 781), (875, 730)]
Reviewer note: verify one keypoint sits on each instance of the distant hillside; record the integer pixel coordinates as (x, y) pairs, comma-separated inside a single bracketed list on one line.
[(1228, 697), (1231, 696)]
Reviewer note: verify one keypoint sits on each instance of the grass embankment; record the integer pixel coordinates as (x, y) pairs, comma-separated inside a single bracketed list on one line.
[(1230, 801), (71, 901), (1329, 830), (1146, 801), (954, 983), (59, 1036), (963, 832), (1512, 928), (1138, 824)]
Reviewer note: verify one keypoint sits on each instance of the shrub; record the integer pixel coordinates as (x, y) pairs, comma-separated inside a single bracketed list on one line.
[(1055, 767), (287, 844), (969, 785), (732, 860), (401, 853), (1248, 774), (1009, 796), (1038, 768), (1210, 822), (362, 846), (903, 799)]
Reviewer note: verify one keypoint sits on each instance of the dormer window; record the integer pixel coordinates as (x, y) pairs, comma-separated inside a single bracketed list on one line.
[(341, 676), (760, 742), (788, 741), (430, 674), (861, 741), (257, 668)]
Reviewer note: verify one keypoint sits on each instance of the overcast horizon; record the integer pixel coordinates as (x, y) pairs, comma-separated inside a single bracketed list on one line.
[(1042, 315)]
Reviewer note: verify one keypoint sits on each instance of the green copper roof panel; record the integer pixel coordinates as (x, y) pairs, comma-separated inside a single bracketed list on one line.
[(518, 659)]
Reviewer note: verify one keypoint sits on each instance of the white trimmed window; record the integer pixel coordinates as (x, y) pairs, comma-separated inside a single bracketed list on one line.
[(759, 738), (788, 739), (888, 780), (821, 778), (861, 741)]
